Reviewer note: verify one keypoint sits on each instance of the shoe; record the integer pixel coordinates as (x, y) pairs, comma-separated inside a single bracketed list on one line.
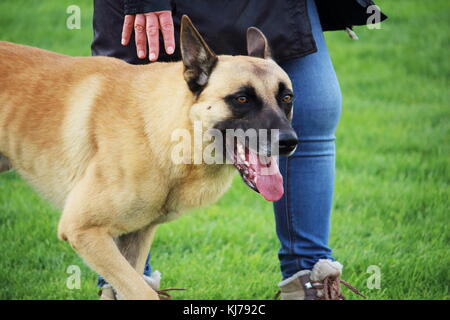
[(320, 283), (107, 292), (154, 280)]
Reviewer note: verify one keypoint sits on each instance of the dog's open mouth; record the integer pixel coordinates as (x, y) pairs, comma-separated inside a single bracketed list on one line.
[(259, 172)]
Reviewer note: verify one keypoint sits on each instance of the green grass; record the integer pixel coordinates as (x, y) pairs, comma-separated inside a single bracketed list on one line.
[(392, 186)]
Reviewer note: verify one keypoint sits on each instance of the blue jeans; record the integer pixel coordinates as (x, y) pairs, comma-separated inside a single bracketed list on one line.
[(302, 215)]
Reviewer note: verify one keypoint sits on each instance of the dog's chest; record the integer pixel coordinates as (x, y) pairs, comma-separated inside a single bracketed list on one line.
[(197, 191)]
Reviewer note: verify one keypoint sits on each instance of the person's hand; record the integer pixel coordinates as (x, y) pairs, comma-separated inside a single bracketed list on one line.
[(146, 30)]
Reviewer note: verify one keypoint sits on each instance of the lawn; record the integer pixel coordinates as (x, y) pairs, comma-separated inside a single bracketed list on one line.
[(392, 186)]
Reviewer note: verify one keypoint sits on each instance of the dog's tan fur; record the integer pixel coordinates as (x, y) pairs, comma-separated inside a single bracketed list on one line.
[(93, 135)]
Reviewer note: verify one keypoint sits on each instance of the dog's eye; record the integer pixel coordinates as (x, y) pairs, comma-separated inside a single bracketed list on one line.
[(241, 99), (287, 98)]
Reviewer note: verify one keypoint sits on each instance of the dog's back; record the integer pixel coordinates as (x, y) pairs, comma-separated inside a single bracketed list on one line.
[(46, 101), (57, 113)]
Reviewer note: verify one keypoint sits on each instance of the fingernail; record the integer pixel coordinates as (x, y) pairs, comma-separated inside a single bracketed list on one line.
[(170, 50), (123, 42), (141, 54), (152, 56)]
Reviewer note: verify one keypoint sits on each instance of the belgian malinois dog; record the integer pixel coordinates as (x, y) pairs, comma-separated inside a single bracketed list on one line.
[(93, 136)]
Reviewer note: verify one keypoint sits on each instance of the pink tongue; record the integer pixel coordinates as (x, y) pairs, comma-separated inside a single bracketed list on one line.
[(268, 177)]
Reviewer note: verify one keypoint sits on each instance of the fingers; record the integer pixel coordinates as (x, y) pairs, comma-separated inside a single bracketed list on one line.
[(166, 26), (127, 29), (140, 36), (146, 28), (152, 30)]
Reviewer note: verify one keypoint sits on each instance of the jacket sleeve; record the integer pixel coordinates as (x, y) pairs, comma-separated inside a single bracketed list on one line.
[(338, 15), (144, 6)]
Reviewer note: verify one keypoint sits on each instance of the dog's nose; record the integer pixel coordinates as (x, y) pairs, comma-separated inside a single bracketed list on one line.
[(288, 141)]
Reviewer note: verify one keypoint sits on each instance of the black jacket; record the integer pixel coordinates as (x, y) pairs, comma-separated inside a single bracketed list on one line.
[(223, 23)]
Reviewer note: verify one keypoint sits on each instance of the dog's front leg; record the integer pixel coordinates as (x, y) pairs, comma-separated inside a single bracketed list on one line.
[(135, 247), (100, 252), (86, 224)]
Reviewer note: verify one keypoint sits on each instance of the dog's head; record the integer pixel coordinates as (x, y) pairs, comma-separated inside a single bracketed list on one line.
[(249, 99)]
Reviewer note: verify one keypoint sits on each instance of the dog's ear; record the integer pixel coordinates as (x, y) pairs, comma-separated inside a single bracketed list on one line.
[(199, 60), (257, 44)]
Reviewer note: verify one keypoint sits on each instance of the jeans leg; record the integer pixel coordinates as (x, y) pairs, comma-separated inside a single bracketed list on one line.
[(303, 214), (148, 267)]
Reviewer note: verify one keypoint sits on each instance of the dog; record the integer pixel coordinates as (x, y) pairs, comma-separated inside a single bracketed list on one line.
[(93, 136)]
